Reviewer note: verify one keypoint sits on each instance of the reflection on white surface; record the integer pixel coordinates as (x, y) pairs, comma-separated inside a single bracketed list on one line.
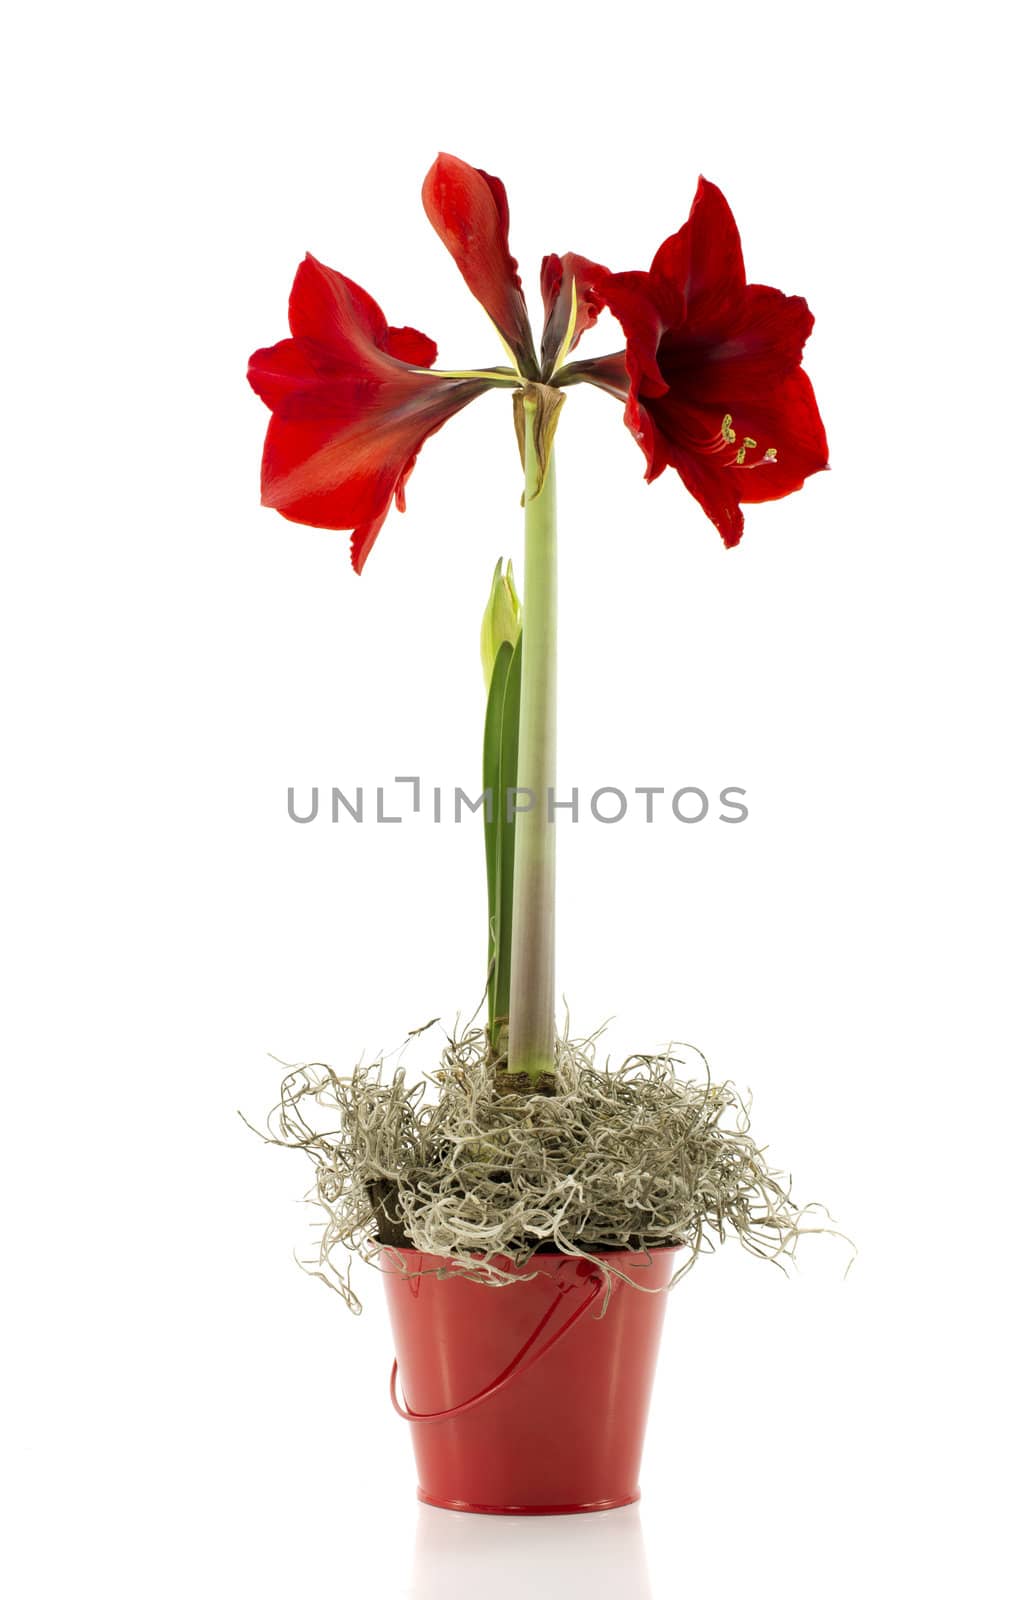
[(600, 1554)]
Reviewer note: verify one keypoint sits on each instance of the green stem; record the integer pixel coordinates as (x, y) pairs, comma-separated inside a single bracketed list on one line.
[(532, 1044)]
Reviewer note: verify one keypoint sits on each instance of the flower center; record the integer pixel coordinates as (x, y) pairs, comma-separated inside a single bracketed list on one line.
[(729, 437)]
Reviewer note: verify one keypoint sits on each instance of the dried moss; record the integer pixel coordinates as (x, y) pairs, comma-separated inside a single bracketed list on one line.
[(627, 1158)]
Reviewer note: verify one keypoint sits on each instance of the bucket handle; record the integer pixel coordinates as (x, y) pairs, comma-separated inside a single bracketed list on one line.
[(517, 1365)]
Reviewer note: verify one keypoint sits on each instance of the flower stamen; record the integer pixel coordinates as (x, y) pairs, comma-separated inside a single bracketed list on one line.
[(727, 439), (768, 458)]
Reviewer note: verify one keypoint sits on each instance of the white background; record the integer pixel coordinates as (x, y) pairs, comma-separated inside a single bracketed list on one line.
[(187, 1412)]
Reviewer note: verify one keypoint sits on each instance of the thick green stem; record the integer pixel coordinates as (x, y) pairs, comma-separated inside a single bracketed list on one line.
[(532, 1044)]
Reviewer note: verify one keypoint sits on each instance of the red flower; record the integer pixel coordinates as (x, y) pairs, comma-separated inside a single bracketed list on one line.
[(468, 210), (711, 375), (351, 407)]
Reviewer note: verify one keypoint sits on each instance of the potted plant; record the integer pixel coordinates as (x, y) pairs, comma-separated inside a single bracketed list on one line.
[(530, 1206)]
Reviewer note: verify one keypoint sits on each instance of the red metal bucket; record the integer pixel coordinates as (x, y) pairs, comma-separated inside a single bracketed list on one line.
[(522, 1399)]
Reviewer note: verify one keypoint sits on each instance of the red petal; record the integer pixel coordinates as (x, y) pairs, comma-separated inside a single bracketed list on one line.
[(703, 260), (334, 315), (344, 471), (787, 420), (469, 211), (406, 344), (646, 307), (714, 491), (551, 281), (361, 541), (281, 372), (562, 278), (687, 436), (606, 372), (760, 342)]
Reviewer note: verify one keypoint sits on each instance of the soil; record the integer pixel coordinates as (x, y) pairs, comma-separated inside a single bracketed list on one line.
[(382, 1195), (521, 1083)]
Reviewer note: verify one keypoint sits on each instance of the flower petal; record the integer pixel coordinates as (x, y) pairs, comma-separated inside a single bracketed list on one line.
[(758, 343), (566, 280), (786, 420), (776, 443), (469, 211), (606, 372), (703, 260), (646, 306), (337, 319), (345, 471), (714, 491), (350, 407), (406, 344), (281, 373)]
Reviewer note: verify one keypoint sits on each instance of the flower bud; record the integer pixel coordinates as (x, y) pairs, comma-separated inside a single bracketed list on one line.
[(501, 623)]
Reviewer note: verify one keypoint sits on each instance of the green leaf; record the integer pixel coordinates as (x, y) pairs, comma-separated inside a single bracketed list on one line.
[(499, 773), (504, 897), (491, 779)]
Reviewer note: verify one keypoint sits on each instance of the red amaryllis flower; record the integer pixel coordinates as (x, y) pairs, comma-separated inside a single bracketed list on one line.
[(711, 374), (468, 210), (351, 404)]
